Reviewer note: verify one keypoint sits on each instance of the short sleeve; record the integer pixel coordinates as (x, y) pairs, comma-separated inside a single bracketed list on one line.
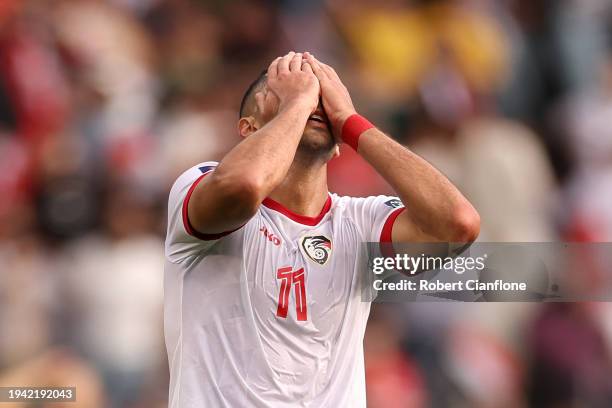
[(182, 240), (374, 216)]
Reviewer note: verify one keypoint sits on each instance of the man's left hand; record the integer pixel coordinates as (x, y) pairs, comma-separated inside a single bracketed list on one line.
[(336, 98)]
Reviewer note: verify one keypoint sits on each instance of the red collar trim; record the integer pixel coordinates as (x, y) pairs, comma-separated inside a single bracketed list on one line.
[(302, 219)]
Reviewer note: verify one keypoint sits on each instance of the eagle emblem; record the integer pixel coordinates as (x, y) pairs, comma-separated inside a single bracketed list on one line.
[(318, 248)]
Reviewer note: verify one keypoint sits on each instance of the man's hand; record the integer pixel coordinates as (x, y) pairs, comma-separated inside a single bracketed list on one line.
[(336, 98), (290, 81)]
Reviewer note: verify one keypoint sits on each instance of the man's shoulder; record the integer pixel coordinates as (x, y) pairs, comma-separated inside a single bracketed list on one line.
[(188, 176), (200, 168)]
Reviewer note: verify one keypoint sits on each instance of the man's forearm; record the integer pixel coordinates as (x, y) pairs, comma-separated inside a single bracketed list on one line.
[(263, 158), (433, 203)]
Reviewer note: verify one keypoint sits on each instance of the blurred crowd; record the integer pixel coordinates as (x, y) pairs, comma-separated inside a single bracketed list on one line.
[(103, 103)]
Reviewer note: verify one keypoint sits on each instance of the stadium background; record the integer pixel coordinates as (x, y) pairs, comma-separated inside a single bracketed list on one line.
[(104, 103)]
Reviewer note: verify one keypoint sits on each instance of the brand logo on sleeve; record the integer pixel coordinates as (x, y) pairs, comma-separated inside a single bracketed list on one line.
[(318, 248), (394, 203), (206, 169)]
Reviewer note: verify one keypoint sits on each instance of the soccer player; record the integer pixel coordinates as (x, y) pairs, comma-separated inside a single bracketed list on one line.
[(263, 270)]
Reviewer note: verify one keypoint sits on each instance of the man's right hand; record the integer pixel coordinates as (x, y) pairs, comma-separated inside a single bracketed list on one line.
[(290, 81)]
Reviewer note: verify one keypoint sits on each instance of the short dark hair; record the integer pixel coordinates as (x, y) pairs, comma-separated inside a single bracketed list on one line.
[(250, 90)]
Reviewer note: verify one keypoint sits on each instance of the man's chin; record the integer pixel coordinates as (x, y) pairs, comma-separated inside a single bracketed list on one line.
[(317, 140)]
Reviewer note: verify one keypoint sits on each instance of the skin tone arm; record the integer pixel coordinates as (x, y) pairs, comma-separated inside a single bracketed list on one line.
[(435, 209), (231, 195)]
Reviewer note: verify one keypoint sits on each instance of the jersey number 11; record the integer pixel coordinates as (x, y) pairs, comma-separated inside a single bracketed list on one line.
[(288, 278)]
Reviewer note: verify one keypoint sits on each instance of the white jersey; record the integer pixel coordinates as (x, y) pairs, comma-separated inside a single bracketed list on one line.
[(269, 315)]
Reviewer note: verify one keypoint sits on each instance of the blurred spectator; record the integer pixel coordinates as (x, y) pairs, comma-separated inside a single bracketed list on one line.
[(14, 175), (187, 134), (28, 290), (485, 369), (487, 156), (114, 283), (32, 78), (58, 367), (587, 116), (392, 379), (396, 44), (578, 368)]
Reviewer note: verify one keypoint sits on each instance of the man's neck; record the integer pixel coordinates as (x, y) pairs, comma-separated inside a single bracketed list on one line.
[(304, 190)]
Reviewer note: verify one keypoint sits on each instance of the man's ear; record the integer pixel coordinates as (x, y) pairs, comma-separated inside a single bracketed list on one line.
[(246, 126)]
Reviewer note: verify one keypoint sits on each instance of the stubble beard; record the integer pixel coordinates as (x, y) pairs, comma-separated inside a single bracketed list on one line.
[(317, 145)]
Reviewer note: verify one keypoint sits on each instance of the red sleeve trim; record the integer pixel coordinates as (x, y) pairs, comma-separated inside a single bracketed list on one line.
[(188, 227), (386, 235)]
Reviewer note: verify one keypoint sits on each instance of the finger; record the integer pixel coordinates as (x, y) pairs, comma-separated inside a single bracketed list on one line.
[(318, 64), (283, 64), (306, 67), (316, 68), (296, 62), (273, 68), (329, 71), (308, 56)]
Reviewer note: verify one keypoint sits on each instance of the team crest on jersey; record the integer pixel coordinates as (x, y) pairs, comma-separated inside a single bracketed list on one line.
[(318, 248), (394, 203)]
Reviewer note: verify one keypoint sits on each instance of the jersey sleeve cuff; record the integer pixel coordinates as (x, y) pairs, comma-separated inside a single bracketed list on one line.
[(386, 235), (187, 224)]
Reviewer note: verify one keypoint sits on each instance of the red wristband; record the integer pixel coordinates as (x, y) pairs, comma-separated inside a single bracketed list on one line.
[(353, 128)]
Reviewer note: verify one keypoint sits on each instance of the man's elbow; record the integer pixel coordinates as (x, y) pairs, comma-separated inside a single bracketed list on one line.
[(465, 225), (241, 194)]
